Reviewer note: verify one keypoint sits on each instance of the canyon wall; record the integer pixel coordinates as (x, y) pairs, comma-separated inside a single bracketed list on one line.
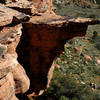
[(42, 41), (31, 38)]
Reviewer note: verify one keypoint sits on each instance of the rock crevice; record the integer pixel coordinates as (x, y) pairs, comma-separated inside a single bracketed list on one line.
[(38, 45), (41, 43)]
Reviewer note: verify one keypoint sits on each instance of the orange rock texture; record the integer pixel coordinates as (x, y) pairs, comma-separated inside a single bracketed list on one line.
[(40, 42)]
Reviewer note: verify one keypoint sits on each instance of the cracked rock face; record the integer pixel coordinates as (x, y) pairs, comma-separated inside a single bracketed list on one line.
[(41, 43), (13, 78), (38, 45), (8, 16), (29, 6)]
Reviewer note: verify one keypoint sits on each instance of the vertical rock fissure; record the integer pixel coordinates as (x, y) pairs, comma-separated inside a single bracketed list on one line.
[(39, 45)]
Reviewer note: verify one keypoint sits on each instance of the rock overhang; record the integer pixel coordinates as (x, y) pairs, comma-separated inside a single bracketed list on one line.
[(42, 41)]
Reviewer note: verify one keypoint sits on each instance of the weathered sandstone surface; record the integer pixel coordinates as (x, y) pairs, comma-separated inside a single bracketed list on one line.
[(17, 81)]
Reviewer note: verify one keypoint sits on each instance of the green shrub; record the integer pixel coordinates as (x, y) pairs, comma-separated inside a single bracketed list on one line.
[(97, 96), (95, 34), (63, 98), (98, 45), (96, 70), (74, 98), (92, 16), (63, 87)]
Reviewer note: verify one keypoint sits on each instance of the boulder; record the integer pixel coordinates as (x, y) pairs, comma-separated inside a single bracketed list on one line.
[(87, 57), (9, 35), (22, 82), (22, 6), (18, 76), (97, 60), (3, 50), (78, 50), (30, 7), (7, 16), (7, 88), (4, 17)]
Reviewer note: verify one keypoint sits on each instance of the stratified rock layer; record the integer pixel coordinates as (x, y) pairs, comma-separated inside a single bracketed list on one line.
[(7, 91), (7, 16), (30, 6), (42, 40), (17, 81)]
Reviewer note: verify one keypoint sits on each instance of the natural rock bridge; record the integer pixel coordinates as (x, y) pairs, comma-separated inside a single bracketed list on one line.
[(39, 43)]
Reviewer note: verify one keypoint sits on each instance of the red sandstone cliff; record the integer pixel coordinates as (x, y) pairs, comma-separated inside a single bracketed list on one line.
[(39, 43), (42, 41)]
